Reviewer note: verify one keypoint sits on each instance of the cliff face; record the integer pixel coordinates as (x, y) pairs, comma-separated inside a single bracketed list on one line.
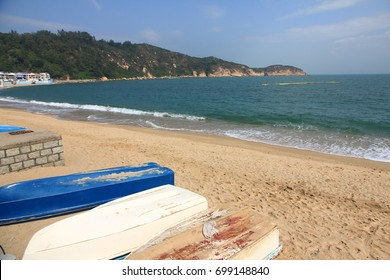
[(232, 72), (79, 55), (285, 73), (280, 70)]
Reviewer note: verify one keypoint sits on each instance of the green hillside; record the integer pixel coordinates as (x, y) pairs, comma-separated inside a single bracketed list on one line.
[(78, 55)]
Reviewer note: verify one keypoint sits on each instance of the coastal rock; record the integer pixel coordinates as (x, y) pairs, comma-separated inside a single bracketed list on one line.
[(251, 72), (225, 72), (281, 70), (234, 72)]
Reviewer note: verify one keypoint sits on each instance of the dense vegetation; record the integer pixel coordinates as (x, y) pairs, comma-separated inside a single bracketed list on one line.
[(78, 55)]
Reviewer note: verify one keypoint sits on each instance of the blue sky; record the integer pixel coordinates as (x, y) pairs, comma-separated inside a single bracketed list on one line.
[(319, 36)]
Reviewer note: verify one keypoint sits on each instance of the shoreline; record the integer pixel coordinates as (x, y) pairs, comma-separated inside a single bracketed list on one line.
[(105, 79), (347, 158), (359, 145), (232, 142), (238, 142), (326, 206)]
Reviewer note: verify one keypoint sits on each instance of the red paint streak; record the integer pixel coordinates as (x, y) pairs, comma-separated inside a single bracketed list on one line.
[(230, 229), (187, 252), (244, 240), (232, 220), (231, 232)]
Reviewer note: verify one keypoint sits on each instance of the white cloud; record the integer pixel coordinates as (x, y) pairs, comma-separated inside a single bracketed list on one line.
[(96, 5), (213, 12), (153, 36), (6, 19), (346, 28), (150, 35), (368, 42), (324, 6), (216, 29), (335, 31)]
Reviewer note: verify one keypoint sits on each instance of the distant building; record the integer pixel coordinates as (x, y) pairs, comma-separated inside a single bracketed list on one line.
[(8, 78)]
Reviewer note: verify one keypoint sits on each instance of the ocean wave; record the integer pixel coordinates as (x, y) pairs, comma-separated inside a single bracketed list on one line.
[(367, 147), (156, 126), (308, 135), (101, 108), (299, 83), (297, 126)]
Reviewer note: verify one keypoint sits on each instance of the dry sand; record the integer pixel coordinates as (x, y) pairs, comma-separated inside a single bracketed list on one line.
[(326, 207)]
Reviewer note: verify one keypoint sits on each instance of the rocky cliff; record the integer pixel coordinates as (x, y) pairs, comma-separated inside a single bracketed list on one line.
[(283, 70)]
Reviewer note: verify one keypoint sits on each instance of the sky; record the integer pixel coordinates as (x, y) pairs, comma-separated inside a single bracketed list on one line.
[(319, 36)]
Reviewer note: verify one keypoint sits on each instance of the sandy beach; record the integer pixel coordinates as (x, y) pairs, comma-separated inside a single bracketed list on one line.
[(326, 207)]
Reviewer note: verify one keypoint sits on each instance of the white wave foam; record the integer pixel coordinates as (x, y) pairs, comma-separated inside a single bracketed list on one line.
[(288, 135), (372, 148), (301, 126), (109, 109), (299, 83), (153, 125)]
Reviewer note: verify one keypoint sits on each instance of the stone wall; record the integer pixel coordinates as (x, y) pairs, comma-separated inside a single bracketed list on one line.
[(30, 149)]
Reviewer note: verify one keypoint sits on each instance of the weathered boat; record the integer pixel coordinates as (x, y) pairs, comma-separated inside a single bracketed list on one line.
[(10, 128), (215, 235), (53, 196), (117, 227)]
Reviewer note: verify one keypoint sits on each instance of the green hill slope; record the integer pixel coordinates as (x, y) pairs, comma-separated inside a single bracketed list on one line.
[(78, 55)]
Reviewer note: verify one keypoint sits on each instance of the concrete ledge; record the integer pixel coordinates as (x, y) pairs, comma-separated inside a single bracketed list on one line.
[(8, 141), (30, 149)]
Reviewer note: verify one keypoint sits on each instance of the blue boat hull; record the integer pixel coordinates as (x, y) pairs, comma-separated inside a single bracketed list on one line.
[(53, 196), (10, 128)]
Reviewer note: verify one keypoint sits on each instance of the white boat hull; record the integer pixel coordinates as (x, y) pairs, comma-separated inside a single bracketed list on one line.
[(116, 228)]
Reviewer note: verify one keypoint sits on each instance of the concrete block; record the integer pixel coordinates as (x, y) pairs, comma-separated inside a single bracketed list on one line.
[(52, 158), (7, 160), (4, 169), (25, 149), (17, 166), (41, 160), (50, 144), (21, 157), (59, 163), (58, 150), (29, 163), (36, 154), (46, 152), (36, 147), (12, 152)]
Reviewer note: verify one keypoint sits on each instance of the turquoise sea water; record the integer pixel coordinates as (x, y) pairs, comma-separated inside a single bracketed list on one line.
[(337, 114)]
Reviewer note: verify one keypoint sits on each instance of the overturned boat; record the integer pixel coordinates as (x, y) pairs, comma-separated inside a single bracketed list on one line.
[(54, 196), (116, 228)]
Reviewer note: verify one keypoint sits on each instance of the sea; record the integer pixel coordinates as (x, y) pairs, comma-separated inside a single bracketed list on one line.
[(347, 115)]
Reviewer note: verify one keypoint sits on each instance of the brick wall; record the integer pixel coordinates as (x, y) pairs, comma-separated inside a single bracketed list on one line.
[(29, 150)]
